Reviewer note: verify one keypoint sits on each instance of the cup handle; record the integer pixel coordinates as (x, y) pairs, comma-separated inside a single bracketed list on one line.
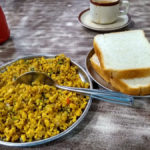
[(125, 4)]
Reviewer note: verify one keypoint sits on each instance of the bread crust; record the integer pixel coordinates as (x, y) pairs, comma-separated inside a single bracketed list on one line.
[(101, 60), (145, 90), (99, 71), (120, 74)]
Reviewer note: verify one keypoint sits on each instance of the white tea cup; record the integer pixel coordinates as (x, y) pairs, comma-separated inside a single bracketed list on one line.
[(107, 11)]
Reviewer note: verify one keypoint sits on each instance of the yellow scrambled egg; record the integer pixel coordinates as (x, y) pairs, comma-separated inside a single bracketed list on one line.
[(34, 112)]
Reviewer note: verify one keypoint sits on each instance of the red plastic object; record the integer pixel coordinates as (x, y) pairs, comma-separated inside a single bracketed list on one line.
[(4, 30)]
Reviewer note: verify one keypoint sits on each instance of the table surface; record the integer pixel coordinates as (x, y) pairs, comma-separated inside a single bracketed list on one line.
[(51, 26)]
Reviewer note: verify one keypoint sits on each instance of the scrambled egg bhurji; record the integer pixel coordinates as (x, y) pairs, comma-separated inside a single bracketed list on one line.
[(37, 111)]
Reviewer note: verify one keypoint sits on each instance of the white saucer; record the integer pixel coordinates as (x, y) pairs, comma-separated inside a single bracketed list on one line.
[(85, 20)]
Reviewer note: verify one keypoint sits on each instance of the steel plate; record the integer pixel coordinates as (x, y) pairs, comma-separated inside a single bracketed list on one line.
[(84, 77)]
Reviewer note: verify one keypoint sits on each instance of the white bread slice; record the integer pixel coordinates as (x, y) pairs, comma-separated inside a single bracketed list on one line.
[(123, 54), (135, 86)]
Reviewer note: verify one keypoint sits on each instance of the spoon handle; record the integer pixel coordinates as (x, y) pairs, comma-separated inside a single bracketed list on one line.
[(105, 95)]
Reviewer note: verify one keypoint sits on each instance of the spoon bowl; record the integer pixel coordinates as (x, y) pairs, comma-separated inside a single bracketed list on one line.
[(33, 76)]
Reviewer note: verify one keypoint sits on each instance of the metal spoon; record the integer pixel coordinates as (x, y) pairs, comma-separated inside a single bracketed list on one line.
[(109, 96)]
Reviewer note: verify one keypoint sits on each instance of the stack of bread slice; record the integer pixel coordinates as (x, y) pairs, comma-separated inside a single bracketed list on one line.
[(123, 60)]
